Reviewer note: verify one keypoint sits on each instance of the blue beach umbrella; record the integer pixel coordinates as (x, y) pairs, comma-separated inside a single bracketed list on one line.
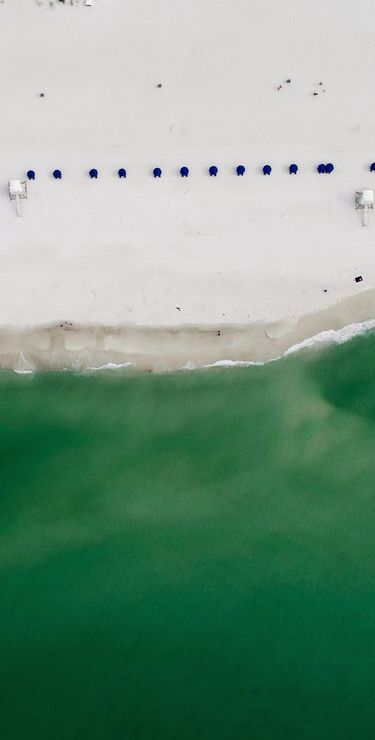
[(57, 174), (293, 169), (122, 172), (184, 172), (241, 170), (329, 168), (372, 167), (30, 175), (321, 169), (213, 171), (157, 172), (267, 169), (93, 173)]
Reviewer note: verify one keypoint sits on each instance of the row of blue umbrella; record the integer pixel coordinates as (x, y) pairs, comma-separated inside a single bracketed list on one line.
[(213, 171)]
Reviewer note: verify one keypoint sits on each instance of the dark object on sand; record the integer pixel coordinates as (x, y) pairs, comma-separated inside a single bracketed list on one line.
[(329, 167), (41, 95), (267, 169), (241, 169), (93, 173), (30, 175), (321, 169), (184, 172), (213, 171), (358, 279), (157, 172), (372, 167), (122, 172), (293, 169), (57, 174), (289, 81), (159, 84)]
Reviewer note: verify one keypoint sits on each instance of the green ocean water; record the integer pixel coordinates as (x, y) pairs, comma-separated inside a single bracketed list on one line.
[(190, 556)]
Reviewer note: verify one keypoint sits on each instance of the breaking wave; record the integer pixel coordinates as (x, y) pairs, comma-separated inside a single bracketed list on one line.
[(29, 360), (320, 340)]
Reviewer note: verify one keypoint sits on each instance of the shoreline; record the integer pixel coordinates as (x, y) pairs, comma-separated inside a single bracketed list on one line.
[(78, 347)]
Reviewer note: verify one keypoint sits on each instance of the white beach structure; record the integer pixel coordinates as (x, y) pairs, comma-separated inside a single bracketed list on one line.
[(17, 192), (364, 199)]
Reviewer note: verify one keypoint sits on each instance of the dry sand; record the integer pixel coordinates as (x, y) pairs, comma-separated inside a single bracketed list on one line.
[(248, 256)]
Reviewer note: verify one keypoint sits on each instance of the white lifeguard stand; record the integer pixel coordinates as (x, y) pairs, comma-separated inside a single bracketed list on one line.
[(364, 199), (17, 192)]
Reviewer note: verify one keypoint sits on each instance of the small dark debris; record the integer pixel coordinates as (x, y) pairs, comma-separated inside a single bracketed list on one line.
[(358, 279), (289, 81), (315, 93), (219, 333), (41, 95), (159, 84), (325, 290), (320, 83), (178, 308)]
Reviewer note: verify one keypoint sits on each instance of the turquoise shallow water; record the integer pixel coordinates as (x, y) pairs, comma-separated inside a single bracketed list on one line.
[(190, 556)]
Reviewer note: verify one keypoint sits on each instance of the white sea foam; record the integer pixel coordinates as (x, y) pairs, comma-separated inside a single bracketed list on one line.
[(24, 366), (110, 366), (323, 339), (239, 363), (333, 336)]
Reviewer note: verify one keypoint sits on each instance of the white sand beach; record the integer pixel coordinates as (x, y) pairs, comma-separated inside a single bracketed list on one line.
[(201, 254)]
